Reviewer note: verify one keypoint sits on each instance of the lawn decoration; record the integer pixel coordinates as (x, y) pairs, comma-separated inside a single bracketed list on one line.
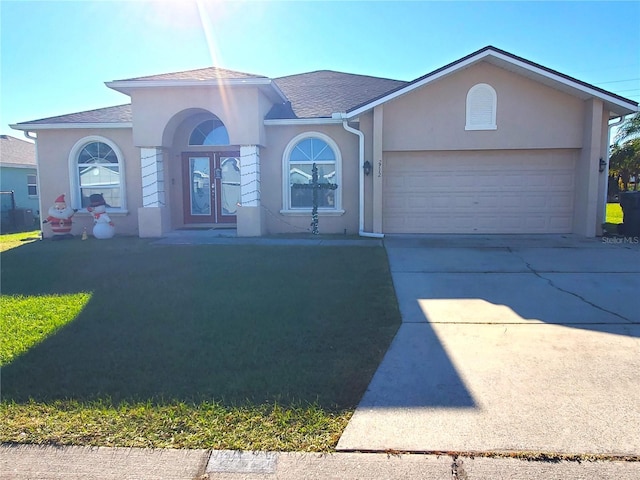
[(102, 225), (59, 219), (315, 186)]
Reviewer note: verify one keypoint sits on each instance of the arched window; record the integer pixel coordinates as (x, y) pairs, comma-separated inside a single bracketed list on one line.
[(299, 156), (481, 108), (96, 166), (209, 132)]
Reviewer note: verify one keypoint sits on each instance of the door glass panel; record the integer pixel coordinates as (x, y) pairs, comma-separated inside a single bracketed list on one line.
[(230, 167), (200, 185)]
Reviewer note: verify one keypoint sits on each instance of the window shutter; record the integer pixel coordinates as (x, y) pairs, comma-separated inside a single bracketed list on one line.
[(481, 106)]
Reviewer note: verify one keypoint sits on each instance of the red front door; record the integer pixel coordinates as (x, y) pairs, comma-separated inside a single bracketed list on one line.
[(211, 187)]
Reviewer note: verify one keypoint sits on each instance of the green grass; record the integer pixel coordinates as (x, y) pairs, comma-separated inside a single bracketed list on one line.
[(248, 347), (614, 213), (26, 321), (13, 240), (614, 217)]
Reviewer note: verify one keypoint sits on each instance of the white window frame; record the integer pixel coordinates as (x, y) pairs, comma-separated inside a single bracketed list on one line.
[(286, 189), (74, 181), (32, 184), (481, 88)]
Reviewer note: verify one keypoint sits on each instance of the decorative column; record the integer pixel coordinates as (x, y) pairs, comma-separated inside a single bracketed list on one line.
[(250, 222), (378, 117), (153, 217), (588, 170), (151, 163)]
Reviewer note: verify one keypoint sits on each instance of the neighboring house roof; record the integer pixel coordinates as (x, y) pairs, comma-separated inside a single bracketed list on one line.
[(17, 153), (615, 103), (324, 92)]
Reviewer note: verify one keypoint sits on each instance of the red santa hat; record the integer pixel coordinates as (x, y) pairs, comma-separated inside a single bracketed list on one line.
[(60, 199)]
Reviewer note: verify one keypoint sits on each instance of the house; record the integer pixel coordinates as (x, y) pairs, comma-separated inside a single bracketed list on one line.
[(491, 143), (18, 182)]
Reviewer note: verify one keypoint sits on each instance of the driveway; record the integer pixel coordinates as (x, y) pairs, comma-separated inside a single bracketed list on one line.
[(508, 344)]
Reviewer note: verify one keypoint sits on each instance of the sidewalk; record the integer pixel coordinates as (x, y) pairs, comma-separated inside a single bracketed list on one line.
[(84, 463)]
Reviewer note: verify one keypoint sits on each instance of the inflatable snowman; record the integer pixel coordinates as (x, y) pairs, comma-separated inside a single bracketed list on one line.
[(60, 219), (102, 225)]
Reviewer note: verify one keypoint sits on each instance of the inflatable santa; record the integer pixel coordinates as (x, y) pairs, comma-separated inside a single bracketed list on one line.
[(102, 225), (60, 219)]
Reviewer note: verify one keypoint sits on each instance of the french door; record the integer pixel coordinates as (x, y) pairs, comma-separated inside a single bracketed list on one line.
[(211, 187)]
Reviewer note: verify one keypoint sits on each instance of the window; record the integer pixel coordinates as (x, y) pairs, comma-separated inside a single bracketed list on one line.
[(96, 166), (481, 108), (209, 132), (32, 185), (300, 155)]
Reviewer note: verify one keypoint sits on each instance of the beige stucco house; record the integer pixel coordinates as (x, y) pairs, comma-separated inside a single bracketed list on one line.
[(491, 143)]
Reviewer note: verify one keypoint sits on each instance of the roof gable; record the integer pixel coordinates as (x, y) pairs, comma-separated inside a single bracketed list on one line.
[(614, 103)]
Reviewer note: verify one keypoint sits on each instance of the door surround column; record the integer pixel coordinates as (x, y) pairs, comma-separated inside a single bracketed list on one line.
[(153, 216), (250, 218)]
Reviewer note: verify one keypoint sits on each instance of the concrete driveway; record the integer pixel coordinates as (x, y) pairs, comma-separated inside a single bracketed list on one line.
[(508, 344)]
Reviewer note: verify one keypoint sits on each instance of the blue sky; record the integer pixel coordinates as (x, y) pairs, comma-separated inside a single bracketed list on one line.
[(56, 55)]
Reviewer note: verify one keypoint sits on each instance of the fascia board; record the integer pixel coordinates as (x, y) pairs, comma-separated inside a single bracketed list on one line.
[(127, 85), (567, 82), (58, 126), (526, 66), (303, 121), (25, 166), (412, 86)]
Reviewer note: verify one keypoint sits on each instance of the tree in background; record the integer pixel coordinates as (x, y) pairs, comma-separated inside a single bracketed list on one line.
[(629, 129), (624, 162)]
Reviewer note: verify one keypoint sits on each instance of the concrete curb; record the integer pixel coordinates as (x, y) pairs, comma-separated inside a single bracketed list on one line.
[(18, 462)]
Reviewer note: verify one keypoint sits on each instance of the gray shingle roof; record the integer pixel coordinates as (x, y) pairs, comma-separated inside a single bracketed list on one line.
[(14, 151), (117, 114), (210, 73), (321, 93)]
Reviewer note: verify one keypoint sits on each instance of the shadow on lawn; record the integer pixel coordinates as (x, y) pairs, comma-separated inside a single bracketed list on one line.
[(238, 325)]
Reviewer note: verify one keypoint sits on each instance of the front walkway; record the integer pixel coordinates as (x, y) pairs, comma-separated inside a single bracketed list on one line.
[(228, 237), (508, 344)]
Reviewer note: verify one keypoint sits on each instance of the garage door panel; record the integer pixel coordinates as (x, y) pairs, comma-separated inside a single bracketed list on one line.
[(479, 192)]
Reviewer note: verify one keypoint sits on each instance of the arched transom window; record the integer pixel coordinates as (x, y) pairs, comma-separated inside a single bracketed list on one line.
[(209, 132), (481, 108), (300, 155)]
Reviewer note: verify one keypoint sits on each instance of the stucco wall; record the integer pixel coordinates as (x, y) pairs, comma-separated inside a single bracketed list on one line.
[(241, 110), (54, 147), (271, 170), (529, 115)]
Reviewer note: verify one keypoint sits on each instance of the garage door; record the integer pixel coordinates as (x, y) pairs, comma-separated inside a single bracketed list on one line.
[(479, 192)]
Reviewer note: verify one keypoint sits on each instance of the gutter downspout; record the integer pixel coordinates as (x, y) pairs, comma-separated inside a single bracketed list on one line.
[(360, 135)]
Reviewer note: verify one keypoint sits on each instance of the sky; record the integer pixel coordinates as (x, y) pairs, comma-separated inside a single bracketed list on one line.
[(56, 55)]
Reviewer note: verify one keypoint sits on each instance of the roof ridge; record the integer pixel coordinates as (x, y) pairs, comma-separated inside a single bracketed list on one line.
[(193, 70), (341, 73)]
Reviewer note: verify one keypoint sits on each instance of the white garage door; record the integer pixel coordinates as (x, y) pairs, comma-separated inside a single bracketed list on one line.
[(479, 191)]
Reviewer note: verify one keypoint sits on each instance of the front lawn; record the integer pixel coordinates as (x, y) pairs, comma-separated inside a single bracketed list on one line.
[(125, 343)]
